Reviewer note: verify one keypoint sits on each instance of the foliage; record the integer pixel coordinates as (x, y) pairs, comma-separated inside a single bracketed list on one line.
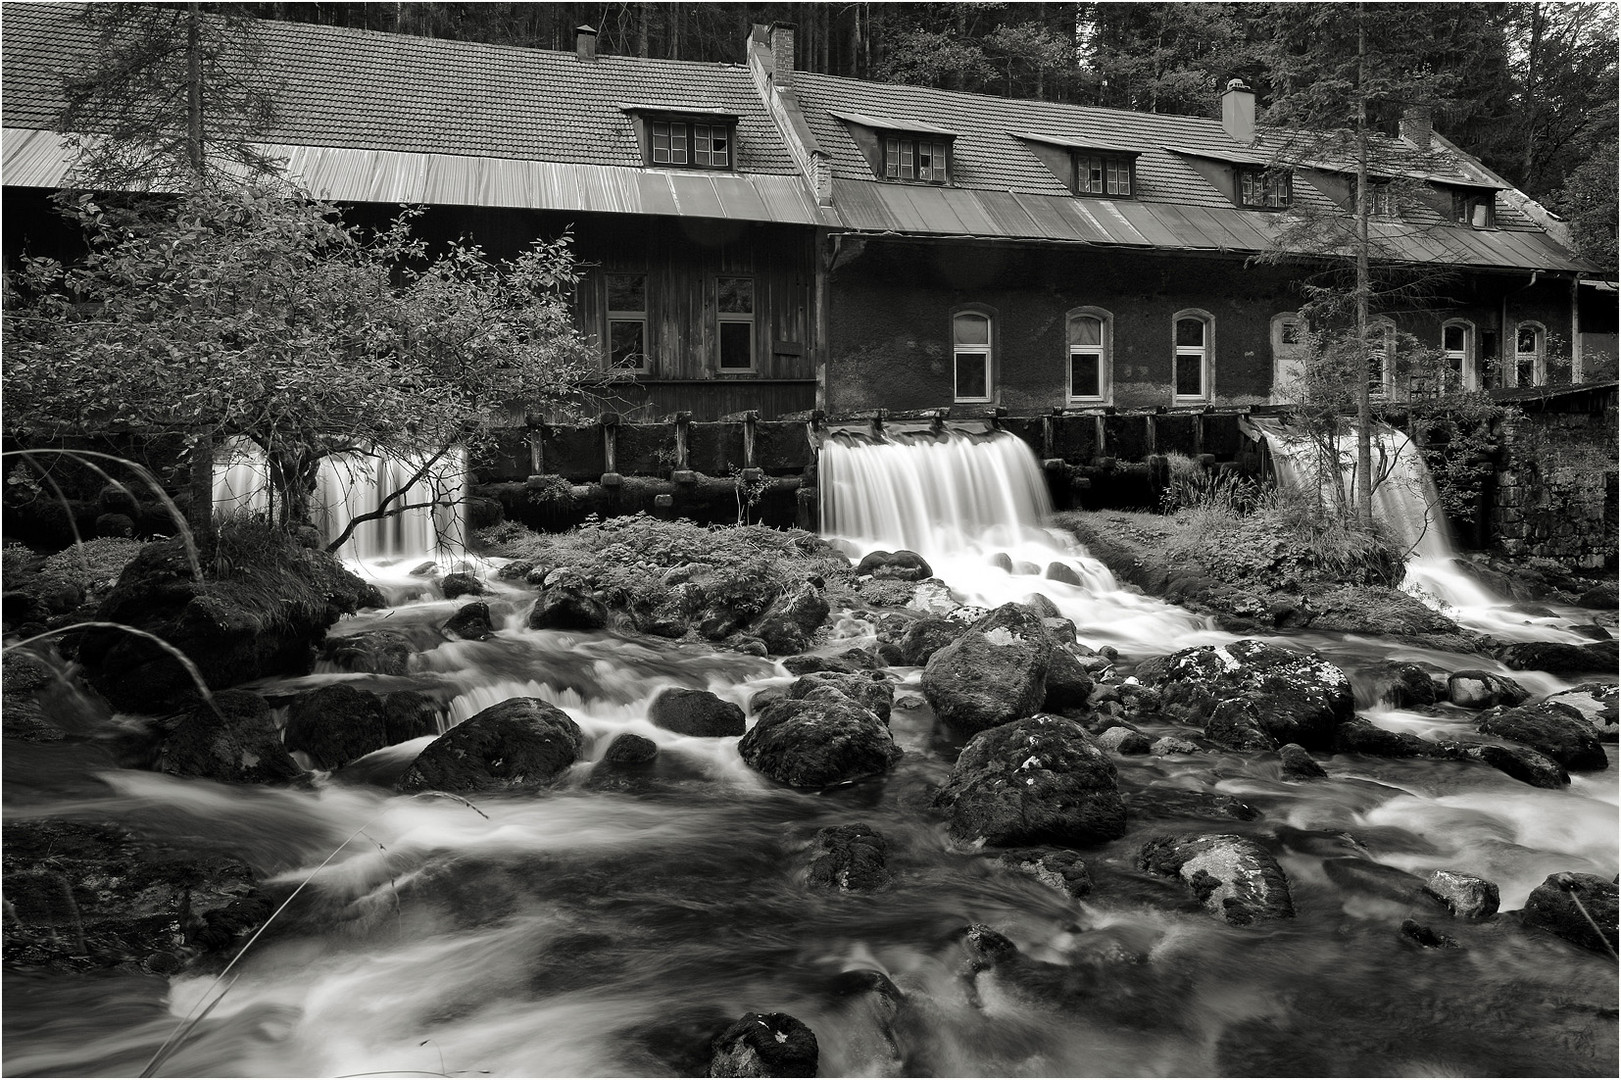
[(1192, 487), (93, 563), (253, 311), (170, 93), (1589, 200), (16, 559), (1459, 435), (749, 492)]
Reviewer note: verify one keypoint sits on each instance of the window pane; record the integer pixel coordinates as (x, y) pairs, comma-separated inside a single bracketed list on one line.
[(1452, 339), (1526, 338), (1189, 375), (1190, 332), (1119, 177), (700, 144), (1084, 371), (971, 329), (626, 347), (1289, 332), (720, 149), (627, 292), (972, 380), (661, 142), (1085, 330), (908, 147), (736, 345), (892, 157), (735, 295), (678, 144)]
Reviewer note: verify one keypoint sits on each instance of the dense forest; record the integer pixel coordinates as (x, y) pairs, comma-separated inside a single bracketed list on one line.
[(1530, 88)]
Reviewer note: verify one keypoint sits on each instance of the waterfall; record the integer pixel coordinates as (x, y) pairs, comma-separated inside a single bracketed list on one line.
[(349, 485), (976, 507)]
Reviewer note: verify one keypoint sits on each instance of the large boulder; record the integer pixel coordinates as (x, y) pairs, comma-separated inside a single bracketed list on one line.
[(374, 652), (1581, 908), (849, 858), (1069, 684), (818, 741), (1060, 870), (518, 744), (1551, 730), (873, 694), (1039, 780), (927, 636), (695, 712), (1234, 877), (1477, 689), (235, 630), (233, 742), (1359, 736), (803, 605), (567, 606), (1560, 658), (1596, 703), (409, 714), (335, 725), (900, 565), (1400, 685), (764, 1044), (1298, 697), (470, 623), (993, 673), (1521, 762), (1465, 895)]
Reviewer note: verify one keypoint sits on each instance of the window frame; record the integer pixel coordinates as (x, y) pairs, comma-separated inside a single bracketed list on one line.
[(1384, 387), (1538, 358), (1107, 163), (1205, 353), (1105, 355), (1463, 208), (736, 318), (1275, 184), (900, 161), (1466, 358), (688, 129), (612, 315), (1381, 198), (987, 352), (1287, 369)]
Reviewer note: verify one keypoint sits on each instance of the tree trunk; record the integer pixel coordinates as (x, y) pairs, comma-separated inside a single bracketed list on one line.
[(1364, 408), (200, 510)]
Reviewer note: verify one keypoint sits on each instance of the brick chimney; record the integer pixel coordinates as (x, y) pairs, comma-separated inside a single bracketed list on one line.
[(1238, 112), (1417, 125), (782, 53), (585, 42)]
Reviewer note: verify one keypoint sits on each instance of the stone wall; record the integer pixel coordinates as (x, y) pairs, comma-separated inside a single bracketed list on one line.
[(1556, 487)]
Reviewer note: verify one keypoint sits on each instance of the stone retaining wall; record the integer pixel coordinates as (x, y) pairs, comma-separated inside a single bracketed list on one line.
[(1556, 486)]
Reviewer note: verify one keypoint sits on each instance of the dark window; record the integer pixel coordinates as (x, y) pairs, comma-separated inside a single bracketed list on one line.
[(1472, 209), (734, 314), (703, 146), (1190, 375), (1102, 174), (627, 321), (1380, 201), (922, 160), (1088, 358), (1264, 189), (971, 356)]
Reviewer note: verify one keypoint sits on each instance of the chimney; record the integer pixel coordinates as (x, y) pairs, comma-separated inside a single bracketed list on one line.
[(1238, 112), (585, 42), (1417, 125), (782, 53)]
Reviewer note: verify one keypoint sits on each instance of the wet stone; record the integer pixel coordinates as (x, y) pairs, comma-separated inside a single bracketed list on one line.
[(335, 725), (1465, 895), (1063, 871), (1298, 764), (1581, 908), (1551, 730), (1425, 937), (1233, 877), (849, 858), (1476, 689), (695, 712), (471, 623), (518, 744), (764, 1044), (377, 652)]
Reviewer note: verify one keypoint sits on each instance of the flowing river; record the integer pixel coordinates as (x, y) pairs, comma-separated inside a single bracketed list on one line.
[(591, 932)]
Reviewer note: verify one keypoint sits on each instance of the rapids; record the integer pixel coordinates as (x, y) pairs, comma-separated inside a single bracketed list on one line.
[(599, 933)]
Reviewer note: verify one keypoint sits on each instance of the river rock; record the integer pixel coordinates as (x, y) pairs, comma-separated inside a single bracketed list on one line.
[(239, 744), (1596, 703), (988, 678), (1162, 801), (1297, 697), (817, 742), (567, 607), (1476, 689), (1166, 745), (1557, 905), (803, 605), (1602, 596), (850, 858), (1560, 658), (1521, 762), (876, 695), (409, 714), (1550, 730), (807, 663), (1298, 764), (764, 1044), (1038, 780), (695, 712), (463, 584), (1063, 871), (1359, 736), (375, 652), (82, 896), (232, 632), (1121, 739), (335, 724), (1235, 878), (1426, 937), (518, 744), (1465, 895), (1401, 686), (927, 636), (1359, 875), (1235, 723), (895, 566), (471, 622), (1069, 684)]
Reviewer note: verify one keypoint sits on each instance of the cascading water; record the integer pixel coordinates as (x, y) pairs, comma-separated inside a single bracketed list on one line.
[(1406, 502), (432, 524), (976, 507)]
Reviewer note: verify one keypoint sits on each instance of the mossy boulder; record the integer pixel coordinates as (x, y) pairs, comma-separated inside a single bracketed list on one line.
[(233, 742), (516, 745), (818, 741)]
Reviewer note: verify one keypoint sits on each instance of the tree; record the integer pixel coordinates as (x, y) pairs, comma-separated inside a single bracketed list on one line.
[(1171, 58), (254, 312), (1564, 64), (1589, 199), (169, 94)]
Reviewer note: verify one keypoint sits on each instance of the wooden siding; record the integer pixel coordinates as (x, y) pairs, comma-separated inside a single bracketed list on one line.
[(709, 399)]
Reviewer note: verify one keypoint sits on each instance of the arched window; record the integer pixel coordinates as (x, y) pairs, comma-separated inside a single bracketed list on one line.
[(1530, 354), (971, 356), (1458, 353), (1090, 354), (1193, 336), (1381, 359), (1288, 356)]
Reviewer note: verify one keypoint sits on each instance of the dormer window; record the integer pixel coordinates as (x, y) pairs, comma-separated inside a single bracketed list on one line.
[(1103, 174), (1473, 208), (1264, 189), (1380, 201), (918, 159), (704, 146)]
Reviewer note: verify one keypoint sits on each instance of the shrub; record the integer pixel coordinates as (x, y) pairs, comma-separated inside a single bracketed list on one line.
[(91, 564)]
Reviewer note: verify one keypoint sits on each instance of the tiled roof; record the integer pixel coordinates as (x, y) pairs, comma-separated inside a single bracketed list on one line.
[(374, 91)]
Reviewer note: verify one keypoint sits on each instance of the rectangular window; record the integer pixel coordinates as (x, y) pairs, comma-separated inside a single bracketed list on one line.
[(1098, 174), (1088, 363), (734, 315), (710, 146), (1529, 366), (1264, 189), (1380, 202), (915, 159), (627, 322), (704, 146), (1189, 382), (1472, 209), (971, 356)]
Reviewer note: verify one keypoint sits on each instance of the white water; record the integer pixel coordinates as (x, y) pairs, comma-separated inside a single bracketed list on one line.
[(961, 499), (433, 527), (1406, 502)]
